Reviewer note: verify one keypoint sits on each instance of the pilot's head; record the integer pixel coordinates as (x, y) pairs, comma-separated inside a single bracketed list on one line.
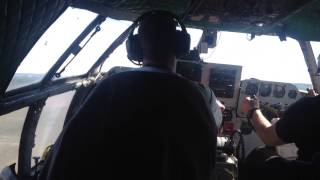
[(158, 42), (158, 38)]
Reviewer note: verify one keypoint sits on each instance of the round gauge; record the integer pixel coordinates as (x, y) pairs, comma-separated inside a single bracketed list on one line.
[(292, 94), (279, 91), (265, 90), (251, 89)]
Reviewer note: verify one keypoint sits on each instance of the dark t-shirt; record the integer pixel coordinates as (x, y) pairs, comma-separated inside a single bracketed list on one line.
[(137, 125), (300, 124)]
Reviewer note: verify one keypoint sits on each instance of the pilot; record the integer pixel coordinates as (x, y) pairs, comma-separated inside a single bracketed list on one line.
[(300, 125), (216, 106), (147, 123)]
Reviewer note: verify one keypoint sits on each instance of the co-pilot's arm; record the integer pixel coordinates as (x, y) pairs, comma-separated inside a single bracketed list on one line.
[(265, 130)]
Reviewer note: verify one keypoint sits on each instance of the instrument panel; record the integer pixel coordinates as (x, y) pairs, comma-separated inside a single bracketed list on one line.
[(223, 79), (277, 95), (275, 98), (222, 82)]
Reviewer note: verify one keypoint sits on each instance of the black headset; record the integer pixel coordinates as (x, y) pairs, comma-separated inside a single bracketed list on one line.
[(133, 45)]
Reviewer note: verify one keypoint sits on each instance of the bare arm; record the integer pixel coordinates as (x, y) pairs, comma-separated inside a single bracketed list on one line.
[(265, 130)]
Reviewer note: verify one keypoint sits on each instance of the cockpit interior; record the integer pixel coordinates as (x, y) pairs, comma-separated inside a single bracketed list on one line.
[(45, 79)]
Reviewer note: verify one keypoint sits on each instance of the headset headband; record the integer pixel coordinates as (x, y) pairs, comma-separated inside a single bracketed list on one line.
[(159, 12), (182, 41)]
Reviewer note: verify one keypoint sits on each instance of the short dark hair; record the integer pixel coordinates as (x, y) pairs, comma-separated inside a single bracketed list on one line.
[(158, 36)]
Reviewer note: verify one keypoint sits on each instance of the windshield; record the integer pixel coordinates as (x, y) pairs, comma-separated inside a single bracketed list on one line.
[(61, 34), (264, 58)]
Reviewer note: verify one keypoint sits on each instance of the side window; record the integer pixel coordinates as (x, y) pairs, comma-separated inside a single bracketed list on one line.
[(110, 29), (51, 46), (51, 121), (10, 131)]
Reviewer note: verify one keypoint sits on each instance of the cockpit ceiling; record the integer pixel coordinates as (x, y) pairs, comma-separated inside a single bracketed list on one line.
[(299, 19)]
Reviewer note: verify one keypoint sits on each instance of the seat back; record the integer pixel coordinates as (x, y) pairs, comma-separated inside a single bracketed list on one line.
[(139, 125)]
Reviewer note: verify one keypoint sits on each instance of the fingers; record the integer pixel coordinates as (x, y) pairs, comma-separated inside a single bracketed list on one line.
[(250, 103), (245, 105)]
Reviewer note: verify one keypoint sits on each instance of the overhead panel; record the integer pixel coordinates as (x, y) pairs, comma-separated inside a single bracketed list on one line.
[(130, 9), (295, 18), (305, 24)]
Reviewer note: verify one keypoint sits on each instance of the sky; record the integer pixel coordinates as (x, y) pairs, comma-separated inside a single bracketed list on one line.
[(264, 58)]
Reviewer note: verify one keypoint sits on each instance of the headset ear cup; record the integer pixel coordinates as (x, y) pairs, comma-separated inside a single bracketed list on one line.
[(134, 49), (183, 43)]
